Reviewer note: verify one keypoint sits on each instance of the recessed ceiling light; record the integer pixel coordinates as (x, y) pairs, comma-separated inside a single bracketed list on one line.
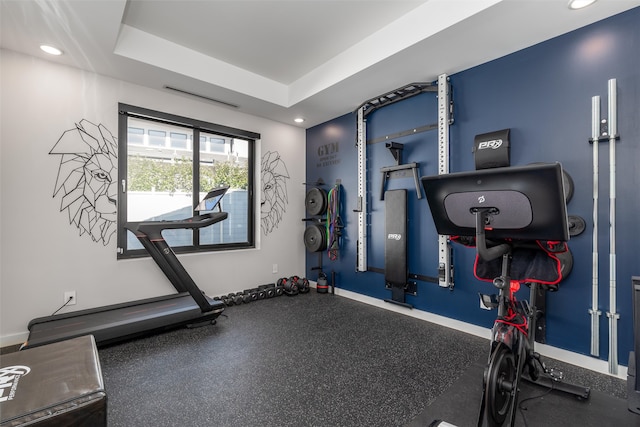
[(298, 120), (579, 4), (51, 50)]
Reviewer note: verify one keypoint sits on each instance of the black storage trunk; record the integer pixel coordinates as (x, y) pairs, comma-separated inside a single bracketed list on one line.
[(58, 384)]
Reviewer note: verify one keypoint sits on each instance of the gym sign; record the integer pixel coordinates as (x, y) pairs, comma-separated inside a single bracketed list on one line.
[(328, 154), (9, 378)]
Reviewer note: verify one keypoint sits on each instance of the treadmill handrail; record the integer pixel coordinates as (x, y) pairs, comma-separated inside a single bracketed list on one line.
[(149, 233), (198, 221)]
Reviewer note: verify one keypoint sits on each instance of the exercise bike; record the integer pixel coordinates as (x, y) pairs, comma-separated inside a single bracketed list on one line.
[(511, 215), (512, 355)]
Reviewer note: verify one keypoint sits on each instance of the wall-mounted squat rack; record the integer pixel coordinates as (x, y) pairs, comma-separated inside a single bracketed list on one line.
[(445, 119), (445, 107)]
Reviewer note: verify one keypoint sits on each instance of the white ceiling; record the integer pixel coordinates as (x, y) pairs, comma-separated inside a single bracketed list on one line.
[(317, 59)]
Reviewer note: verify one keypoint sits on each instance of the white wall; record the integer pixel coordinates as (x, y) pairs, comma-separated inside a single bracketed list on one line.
[(42, 255)]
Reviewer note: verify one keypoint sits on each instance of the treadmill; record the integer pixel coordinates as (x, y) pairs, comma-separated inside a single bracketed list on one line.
[(189, 307)]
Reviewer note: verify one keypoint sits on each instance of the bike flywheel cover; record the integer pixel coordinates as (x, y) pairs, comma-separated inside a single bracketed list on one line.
[(500, 385)]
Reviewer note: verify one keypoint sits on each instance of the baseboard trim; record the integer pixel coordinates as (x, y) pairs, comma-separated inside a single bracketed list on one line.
[(566, 356), (13, 339)]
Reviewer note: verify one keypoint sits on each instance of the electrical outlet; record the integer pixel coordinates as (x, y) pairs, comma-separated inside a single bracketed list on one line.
[(71, 297), (275, 268)]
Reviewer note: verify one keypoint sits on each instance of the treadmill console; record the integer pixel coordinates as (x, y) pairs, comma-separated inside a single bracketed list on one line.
[(212, 200)]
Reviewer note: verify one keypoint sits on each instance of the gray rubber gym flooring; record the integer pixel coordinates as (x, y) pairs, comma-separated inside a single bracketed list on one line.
[(323, 360)]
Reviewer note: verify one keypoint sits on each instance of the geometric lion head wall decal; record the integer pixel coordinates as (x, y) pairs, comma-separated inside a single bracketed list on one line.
[(87, 180), (274, 200)]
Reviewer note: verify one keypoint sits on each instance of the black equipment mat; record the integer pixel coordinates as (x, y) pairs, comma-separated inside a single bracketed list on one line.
[(538, 406)]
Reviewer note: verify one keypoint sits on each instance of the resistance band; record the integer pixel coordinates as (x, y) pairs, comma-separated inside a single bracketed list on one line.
[(333, 222)]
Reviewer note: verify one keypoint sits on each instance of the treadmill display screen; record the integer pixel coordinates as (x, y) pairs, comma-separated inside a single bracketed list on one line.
[(212, 199)]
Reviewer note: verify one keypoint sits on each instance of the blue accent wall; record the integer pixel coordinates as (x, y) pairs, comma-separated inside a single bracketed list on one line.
[(543, 94)]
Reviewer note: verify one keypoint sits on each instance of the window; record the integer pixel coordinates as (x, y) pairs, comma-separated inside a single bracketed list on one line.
[(136, 136), (179, 140), (217, 145), (157, 138), (164, 176)]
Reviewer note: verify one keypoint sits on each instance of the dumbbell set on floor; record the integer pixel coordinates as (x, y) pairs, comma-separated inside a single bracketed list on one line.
[(294, 285), (290, 286)]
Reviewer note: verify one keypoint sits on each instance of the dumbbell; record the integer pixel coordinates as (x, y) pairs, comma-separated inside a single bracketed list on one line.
[(269, 289), (238, 298), (253, 293), (303, 285), (290, 285), (246, 297)]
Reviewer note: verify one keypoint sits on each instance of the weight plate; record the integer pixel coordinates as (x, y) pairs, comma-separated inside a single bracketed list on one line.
[(576, 225), (315, 239), (566, 264), (567, 183), (316, 201)]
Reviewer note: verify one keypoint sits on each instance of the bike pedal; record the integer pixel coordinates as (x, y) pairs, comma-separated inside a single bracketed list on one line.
[(555, 374), (488, 302)]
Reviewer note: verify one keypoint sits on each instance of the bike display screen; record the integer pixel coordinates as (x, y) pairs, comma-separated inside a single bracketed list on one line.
[(523, 202)]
